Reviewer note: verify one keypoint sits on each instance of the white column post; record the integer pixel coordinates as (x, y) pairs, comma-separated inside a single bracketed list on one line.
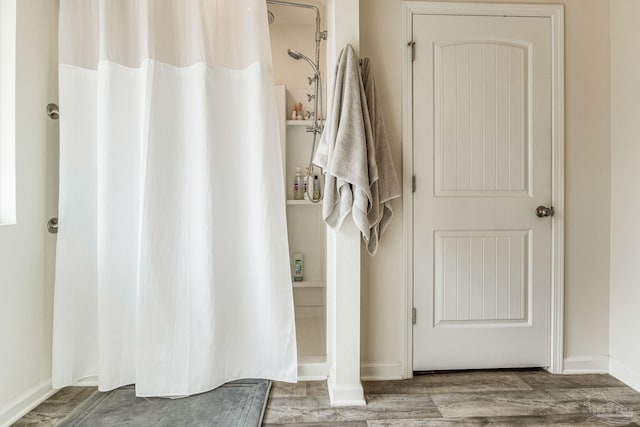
[(343, 247)]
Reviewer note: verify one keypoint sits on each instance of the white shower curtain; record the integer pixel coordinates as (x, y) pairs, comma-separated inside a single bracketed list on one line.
[(172, 260)]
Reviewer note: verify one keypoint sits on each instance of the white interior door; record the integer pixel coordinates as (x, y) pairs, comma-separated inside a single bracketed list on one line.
[(482, 95)]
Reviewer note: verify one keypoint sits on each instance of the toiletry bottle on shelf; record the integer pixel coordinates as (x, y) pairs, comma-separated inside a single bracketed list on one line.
[(294, 112), (297, 186), (306, 188), (316, 188), (298, 268)]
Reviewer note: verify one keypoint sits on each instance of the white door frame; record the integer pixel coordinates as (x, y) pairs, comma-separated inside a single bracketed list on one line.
[(556, 14)]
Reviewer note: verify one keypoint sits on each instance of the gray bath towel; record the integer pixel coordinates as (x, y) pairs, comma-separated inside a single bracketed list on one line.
[(360, 177), (346, 149), (384, 185)]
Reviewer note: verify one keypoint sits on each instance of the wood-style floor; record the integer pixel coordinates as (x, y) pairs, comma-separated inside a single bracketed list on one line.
[(474, 398)]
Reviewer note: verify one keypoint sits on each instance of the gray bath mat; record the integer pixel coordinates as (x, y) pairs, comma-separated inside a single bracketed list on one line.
[(239, 403)]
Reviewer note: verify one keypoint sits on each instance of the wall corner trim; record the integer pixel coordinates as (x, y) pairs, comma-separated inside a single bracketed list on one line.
[(24, 403)]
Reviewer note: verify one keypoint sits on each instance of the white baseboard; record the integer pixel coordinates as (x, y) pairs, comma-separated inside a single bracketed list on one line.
[(309, 370), (25, 403), (380, 371), (625, 374), (586, 365)]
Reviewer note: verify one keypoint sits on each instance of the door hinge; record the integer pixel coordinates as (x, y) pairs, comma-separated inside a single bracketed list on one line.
[(412, 45), (413, 315), (413, 183)]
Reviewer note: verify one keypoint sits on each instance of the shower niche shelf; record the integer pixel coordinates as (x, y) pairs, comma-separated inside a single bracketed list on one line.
[(305, 284), (299, 123), (302, 203)]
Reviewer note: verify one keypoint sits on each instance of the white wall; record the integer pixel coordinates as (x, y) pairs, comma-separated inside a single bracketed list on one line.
[(587, 47), (625, 191), (26, 249)]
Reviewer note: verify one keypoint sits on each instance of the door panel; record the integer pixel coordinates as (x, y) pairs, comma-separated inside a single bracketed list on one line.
[(482, 158), (480, 100), (481, 277)]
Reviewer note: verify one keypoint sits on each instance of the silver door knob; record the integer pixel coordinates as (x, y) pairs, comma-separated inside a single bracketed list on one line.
[(543, 211)]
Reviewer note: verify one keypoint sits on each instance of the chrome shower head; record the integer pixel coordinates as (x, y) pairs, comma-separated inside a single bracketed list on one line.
[(297, 56), (294, 54)]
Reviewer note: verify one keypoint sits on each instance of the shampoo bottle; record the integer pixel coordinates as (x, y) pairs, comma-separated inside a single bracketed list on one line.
[(297, 186), (306, 187), (298, 268), (316, 188)]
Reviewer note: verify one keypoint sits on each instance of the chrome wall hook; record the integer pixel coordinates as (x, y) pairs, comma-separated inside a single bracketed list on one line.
[(52, 111)]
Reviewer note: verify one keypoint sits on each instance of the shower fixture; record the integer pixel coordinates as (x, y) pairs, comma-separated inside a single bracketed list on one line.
[(316, 126)]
